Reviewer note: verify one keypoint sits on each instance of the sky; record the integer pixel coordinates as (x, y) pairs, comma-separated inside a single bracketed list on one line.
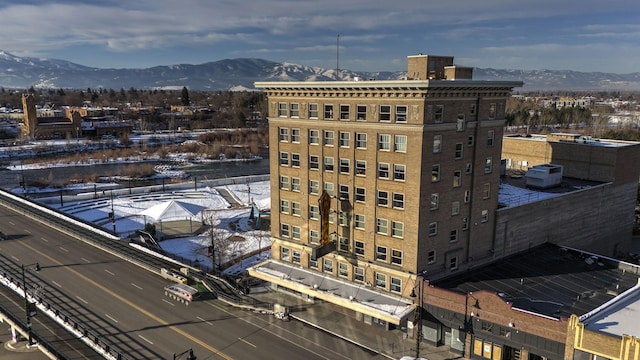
[(371, 35)]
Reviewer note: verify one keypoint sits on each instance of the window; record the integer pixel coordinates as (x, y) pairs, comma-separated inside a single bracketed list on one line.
[(344, 112), (295, 160), (399, 172), (328, 111), (343, 270), (435, 199), (328, 163), (383, 198), (314, 137), (343, 192), (343, 243), (328, 138), (358, 247), (455, 208), (359, 221), (294, 110), (313, 111), (295, 208), (361, 167), (468, 168), (284, 182), (295, 184), (453, 235), (395, 285), (382, 226), (313, 264), (396, 257), (401, 113), (398, 201), (488, 167), (453, 263), (484, 217), (433, 229), (345, 166), (295, 256), (314, 187), (431, 257), (381, 280), (284, 230), (400, 143), (397, 229), (284, 254), (361, 140), (314, 212), (295, 135), (358, 274), (282, 109), (328, 187), (437, 144), (361, 112), (295, 232), (314, 237), (327, 265), (360, 194), (470, 140), (284, 206), (457, 178), (381, 253), (385, 113), (460, 122), (467, 196), (313, 162), (283, 134), (492, 111), (459, 151), (465, 223), (383, 170), (486, 190), (490, 138), (435, 172), (438, 116), (472, 110), (284, 159), (345, 139), (384, 142)]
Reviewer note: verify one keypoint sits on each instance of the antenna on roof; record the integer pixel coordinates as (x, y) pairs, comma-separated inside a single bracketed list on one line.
[(338, 57)]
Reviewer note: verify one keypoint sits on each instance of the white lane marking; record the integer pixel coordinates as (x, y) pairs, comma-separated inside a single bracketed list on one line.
[(85, 260), (112, 318), (43, 239), (56, 284), (246, 342), (108, 272), (81, 299), (15, 258), (136, 286), (168, 302), (205, 321), (63, 249), (27, 231), (145, 339)]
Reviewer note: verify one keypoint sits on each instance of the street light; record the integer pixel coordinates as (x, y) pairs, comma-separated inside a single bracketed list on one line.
[(468, 324), (418, 313), (190, 355), (28, 307)]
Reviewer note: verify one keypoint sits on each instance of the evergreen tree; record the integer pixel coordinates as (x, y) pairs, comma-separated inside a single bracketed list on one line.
[(185, 96)]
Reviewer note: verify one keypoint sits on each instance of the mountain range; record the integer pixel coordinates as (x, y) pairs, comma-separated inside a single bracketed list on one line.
[(240, 74)]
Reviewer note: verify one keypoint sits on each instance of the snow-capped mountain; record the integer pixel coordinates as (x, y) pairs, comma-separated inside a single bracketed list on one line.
[(24, 72)]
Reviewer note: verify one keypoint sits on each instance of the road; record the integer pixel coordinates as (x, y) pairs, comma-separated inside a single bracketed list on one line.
[(125, 305)]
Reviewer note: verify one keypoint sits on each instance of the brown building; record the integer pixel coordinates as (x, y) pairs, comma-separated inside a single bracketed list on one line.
[(46, 127)]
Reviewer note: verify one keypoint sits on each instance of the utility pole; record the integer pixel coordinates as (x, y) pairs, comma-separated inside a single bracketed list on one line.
[(27, 307)]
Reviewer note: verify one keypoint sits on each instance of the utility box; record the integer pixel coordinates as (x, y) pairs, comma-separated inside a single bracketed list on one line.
[(544, 176)]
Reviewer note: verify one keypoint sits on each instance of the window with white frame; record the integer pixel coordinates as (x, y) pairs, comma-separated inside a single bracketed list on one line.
[(295, 208), (381, 280), (343, 243), (435, 172), (361, 112), (295, 256), (437, 144), (492, 111), (397, 229), (468, 168), (381, 253), (484, 217), (314, 236), (359, 220), (295, 232), (314, 162), (283, 134), (328, 138), (361, 140), (396, 257), (400, 143), (460, 122), (435, 201), (361, 168), (284, 206), (465, 223), (295, 160), (486, 190), (431, 256), (327, 265), (360, 194), (313, 111), (328, 163), (385, 113), (488, 165), (328, 187), (358, 274), (294, 110), (382, 198), (314, 187), (453, 235), (295, 184), (384, 142), (358, 247), (433, 229), (295, 135), (395, 285), (401, 113), (314, 212), (342, 218), (343, 270), (490, 137), (399, 172), (467, 196), (398, 201), (284, 182), (314, 137), (458, 151), (284, 230), (383, 170), (457, 178), (282, 109), (343, 192), (455, 208), (313, 264), (284, 254), (328, 111), (345, 166), (382, 226), (344, 112), (345, 139), (284, 158)]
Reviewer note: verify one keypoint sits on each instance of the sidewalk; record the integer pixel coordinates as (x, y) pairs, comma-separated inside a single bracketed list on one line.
[(337, 321)]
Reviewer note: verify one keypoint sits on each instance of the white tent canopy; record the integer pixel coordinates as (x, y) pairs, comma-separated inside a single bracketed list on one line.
[(172, 210)]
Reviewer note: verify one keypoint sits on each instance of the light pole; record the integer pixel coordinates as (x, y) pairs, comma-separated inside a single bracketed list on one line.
[(190, 355), (418, 313), (27, 304)]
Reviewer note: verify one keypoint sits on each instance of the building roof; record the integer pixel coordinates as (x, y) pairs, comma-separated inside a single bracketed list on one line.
[(375, 84), (620, 317), (549, 280)]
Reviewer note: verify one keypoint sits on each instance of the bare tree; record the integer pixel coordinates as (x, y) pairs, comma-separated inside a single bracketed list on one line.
[(220, 244)]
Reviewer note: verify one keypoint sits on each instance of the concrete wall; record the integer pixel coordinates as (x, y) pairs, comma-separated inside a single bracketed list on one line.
[(598, 219)]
